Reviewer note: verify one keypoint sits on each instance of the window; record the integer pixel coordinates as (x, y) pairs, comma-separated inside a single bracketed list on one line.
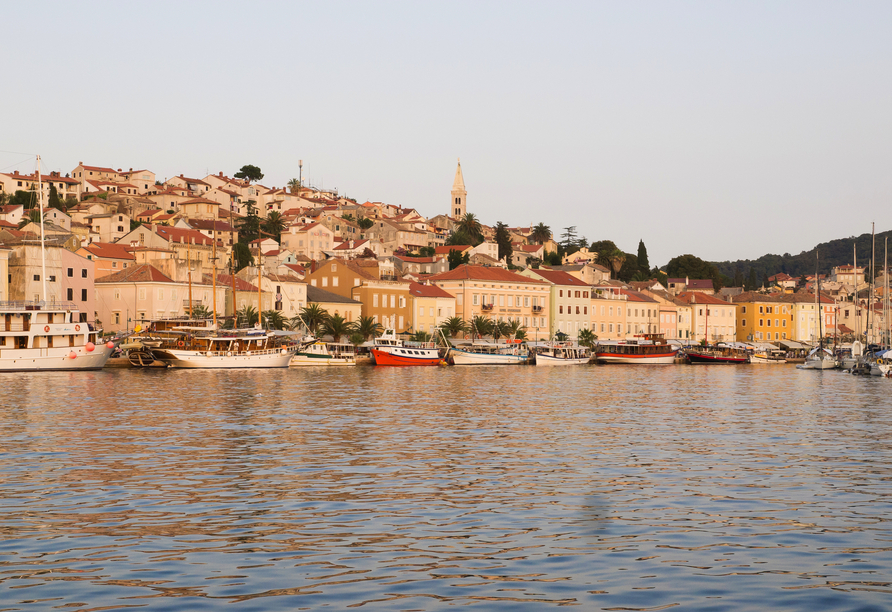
[(334, 281), (117, 318), (114, 264), (160, 294), (744, 310), (474, 299), (117, 294), (325, 281), (403, 304), (70, 272), (743, 322), (561, 309), (37, 277), (70, 293), (526, 300), (560, 293), (421, 311), (83, 295), (142, 293), (374, 300), (517, 301)]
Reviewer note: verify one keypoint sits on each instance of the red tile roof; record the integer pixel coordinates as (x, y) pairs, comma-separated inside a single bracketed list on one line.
[(183, 236), (559, 277), (692, 297), (419, 290), (110, 250), (444, 250), (143, 273), (485, 273)]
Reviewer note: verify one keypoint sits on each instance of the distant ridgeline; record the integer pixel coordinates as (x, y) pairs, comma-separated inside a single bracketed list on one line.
[(833, 253)]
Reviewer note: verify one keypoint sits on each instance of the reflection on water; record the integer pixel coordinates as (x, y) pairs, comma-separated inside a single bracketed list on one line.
[(614, 488)]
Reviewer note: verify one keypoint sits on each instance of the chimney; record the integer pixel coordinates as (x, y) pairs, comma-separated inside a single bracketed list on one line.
[(181, 176), (221, 174)]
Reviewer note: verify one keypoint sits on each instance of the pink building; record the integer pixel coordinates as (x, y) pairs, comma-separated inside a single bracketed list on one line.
[(78, 284)]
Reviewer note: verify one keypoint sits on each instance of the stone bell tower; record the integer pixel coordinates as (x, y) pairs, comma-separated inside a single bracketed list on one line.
[(459, 195)]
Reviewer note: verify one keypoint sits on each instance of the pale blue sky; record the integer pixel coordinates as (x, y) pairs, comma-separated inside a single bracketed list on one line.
[(726, 130)]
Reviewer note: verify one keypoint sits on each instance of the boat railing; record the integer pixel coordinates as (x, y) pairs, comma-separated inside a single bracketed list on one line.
[(273, 351), (36, 305)]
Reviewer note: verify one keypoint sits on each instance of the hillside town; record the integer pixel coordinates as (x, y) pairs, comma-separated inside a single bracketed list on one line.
[(126, 248)]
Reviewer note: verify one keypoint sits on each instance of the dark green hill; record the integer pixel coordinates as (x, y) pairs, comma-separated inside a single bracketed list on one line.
[(833, 253)]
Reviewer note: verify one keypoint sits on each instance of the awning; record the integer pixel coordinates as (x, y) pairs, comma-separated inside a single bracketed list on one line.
[(792, 344)]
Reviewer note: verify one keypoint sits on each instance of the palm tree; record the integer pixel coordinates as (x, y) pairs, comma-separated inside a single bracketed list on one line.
[(356, 338), (201, 312), (274, 225), (274, 319), (515, 327), (33, 215), (471, 226), (421, 336), (617, 258), (313, 316), (587, 337), (294, 185), (541, 234), (336, 326), (367, 326), (453, 326), (246, 315), (480, 326), (500, 329)]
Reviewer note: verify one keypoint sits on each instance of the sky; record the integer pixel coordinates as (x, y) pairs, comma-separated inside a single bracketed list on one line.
[(723, 129)]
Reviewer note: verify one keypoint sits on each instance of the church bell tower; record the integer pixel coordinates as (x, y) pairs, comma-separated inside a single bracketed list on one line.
[(459, 195)]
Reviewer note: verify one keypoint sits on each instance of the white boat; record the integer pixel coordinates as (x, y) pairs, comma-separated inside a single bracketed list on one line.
[(39, 336), (319, 353), (389, 350), (819, 359), (225, 349), (768, 356), (513, 353), (650, 349), (849, 358), (561, 354)]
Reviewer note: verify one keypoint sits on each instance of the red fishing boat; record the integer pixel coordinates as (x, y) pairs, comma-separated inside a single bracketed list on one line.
[(391, 351)]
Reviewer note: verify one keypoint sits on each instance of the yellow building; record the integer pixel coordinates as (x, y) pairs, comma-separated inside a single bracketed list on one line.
[(608, 306), (387, 302), (431, 305), (763, 318)]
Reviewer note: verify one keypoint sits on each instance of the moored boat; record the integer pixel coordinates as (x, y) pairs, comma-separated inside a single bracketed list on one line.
[(562, 354), (39, 336), (389, 350), (512, 353), (319, 353), (819, 359), (716, 353), (769, 356), (652, 349), (225, 349)]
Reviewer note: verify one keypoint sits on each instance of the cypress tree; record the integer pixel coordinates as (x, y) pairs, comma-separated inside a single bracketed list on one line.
[(643, 264)]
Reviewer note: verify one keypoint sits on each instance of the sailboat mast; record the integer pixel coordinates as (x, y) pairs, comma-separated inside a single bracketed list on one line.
[(886, 293), (855, 272), (873, 259), (214, 278), (189, 264), (259, 289), (42, 235), (818, 303)]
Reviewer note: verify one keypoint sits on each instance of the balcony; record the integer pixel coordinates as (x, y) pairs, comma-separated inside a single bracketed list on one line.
[(487, 307), (537, 308)]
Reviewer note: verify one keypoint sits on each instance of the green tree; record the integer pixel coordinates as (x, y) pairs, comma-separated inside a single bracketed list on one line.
[(427, 251), (480, 326), (246, 316), (643, 263), (201, 312), (293, 185), (25, 199), (134, 224), (552, 258), (274, 319), (336, 326), (365, 223), (356, 339), (314, 317), (470, 226), (32, 215), (738, 277), (249, 173), (273, 225), (693, 267), (503, 239), (455, 259), (242, 254), (541, 234), (459, 238), (568, 238), (249, 226), (453, 326), (54, 201), (629, 268), (587, 337), (420, 336), (368, 327), (617, 258), (603, 248)]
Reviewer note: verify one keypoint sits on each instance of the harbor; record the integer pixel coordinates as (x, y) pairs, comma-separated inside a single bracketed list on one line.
[(404, 488)]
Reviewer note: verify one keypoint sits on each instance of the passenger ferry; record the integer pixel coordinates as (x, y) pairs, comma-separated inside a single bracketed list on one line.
[(512, 353), (48, 336), (716, 353), (319, 353), (651, 349), (389, 350)]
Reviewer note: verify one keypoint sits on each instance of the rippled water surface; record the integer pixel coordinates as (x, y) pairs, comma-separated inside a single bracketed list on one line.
[(610, 488)]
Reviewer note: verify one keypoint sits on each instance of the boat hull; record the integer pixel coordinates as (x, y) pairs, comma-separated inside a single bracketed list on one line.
[(699, 358), (765, 360), (320, 360), (401, 356), (657, 359), (461, 357), (823, 364), (57, 358), (547, 360), (175, 358)]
